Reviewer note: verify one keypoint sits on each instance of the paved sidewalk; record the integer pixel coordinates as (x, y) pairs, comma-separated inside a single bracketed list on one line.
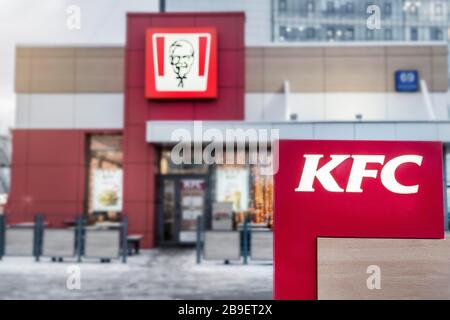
[(154, 274)]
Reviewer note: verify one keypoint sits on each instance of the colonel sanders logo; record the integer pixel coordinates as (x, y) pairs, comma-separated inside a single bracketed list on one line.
[(181, 63), (181, 58)]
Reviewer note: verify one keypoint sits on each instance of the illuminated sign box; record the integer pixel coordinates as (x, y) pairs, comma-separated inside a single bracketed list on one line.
[(181, 63), (358, 189)]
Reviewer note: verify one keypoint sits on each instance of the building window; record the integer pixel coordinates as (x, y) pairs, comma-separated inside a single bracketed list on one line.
[(349, 8), (283, 33), (387, 34), (282, 6), (438, 9), (310, 6), (387, 8), (370, 34), (414, 34), (349, 34), (310, 33), (105, 178), (330, 7), (436, 34), (330, 34)]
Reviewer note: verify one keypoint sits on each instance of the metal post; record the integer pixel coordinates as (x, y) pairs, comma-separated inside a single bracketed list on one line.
[(245, 242), (2, 235), (79, 237), (162, 5), (124, 239), (38, 234), (199, 245)]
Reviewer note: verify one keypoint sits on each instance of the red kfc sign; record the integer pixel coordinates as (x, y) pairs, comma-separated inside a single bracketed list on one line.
[(367, 189), (181, 63)]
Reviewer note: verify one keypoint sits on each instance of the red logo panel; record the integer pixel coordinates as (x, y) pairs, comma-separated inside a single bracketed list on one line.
[(181, 63), (367, 189)]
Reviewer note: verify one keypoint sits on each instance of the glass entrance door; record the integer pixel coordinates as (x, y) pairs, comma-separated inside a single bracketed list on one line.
[(182, 200)]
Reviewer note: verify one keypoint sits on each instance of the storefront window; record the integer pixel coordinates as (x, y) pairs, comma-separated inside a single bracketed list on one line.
[(189, 190), (167, 166), (105, 178), (250, 192), (262, 197)]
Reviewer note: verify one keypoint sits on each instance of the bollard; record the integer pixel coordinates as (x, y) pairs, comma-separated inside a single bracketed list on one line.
[(79, 237), (38, 235), (199, 246), (124, 239), (245, 240)]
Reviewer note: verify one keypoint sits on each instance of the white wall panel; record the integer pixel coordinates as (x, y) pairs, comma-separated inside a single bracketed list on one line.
[(99, 111), (308, 106), (274, 107), (417, 131), (160, 131), (254, 106), (334, 131), (406, 106), (51, 110), (295, 130), (69, 111), (22, 110), (440, 106), (375, 131), (346, 106), (444, 133)]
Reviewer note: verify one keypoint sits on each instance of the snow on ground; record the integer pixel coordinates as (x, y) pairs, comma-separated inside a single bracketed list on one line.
[(154, 274)]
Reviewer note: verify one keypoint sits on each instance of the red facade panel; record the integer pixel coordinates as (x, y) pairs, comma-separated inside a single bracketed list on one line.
[(47, 174), (63, 150), (20, 147), (139, 195)]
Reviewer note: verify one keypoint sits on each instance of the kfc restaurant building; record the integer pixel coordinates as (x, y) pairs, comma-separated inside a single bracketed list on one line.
[(94, 125)]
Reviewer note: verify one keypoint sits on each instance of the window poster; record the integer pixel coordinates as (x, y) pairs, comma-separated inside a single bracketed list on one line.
[(107, 190), (233, 186)]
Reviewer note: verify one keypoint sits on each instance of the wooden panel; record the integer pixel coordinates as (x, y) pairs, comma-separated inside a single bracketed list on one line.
[(254, 74), (356, 73), (53, 74), (104, 52), (305, 74), (439, 50), (352, 51), (293, 52), (69, 69), (52, 52), (99, 74), (408, 50), (221, 245), (23, 74), (409, 268), (439, 81)]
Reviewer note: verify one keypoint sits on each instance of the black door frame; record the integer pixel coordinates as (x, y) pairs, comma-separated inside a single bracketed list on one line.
[(177, 219)]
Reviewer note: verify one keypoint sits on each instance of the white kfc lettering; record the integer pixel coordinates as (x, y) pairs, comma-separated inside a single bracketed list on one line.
[(357, 173)]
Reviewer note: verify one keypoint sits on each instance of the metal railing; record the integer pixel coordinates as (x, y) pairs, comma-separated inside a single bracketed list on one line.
[(59, 243), (239, 242)]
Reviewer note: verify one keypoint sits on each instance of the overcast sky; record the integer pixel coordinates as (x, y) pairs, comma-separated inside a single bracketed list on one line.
[(44, 22)]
